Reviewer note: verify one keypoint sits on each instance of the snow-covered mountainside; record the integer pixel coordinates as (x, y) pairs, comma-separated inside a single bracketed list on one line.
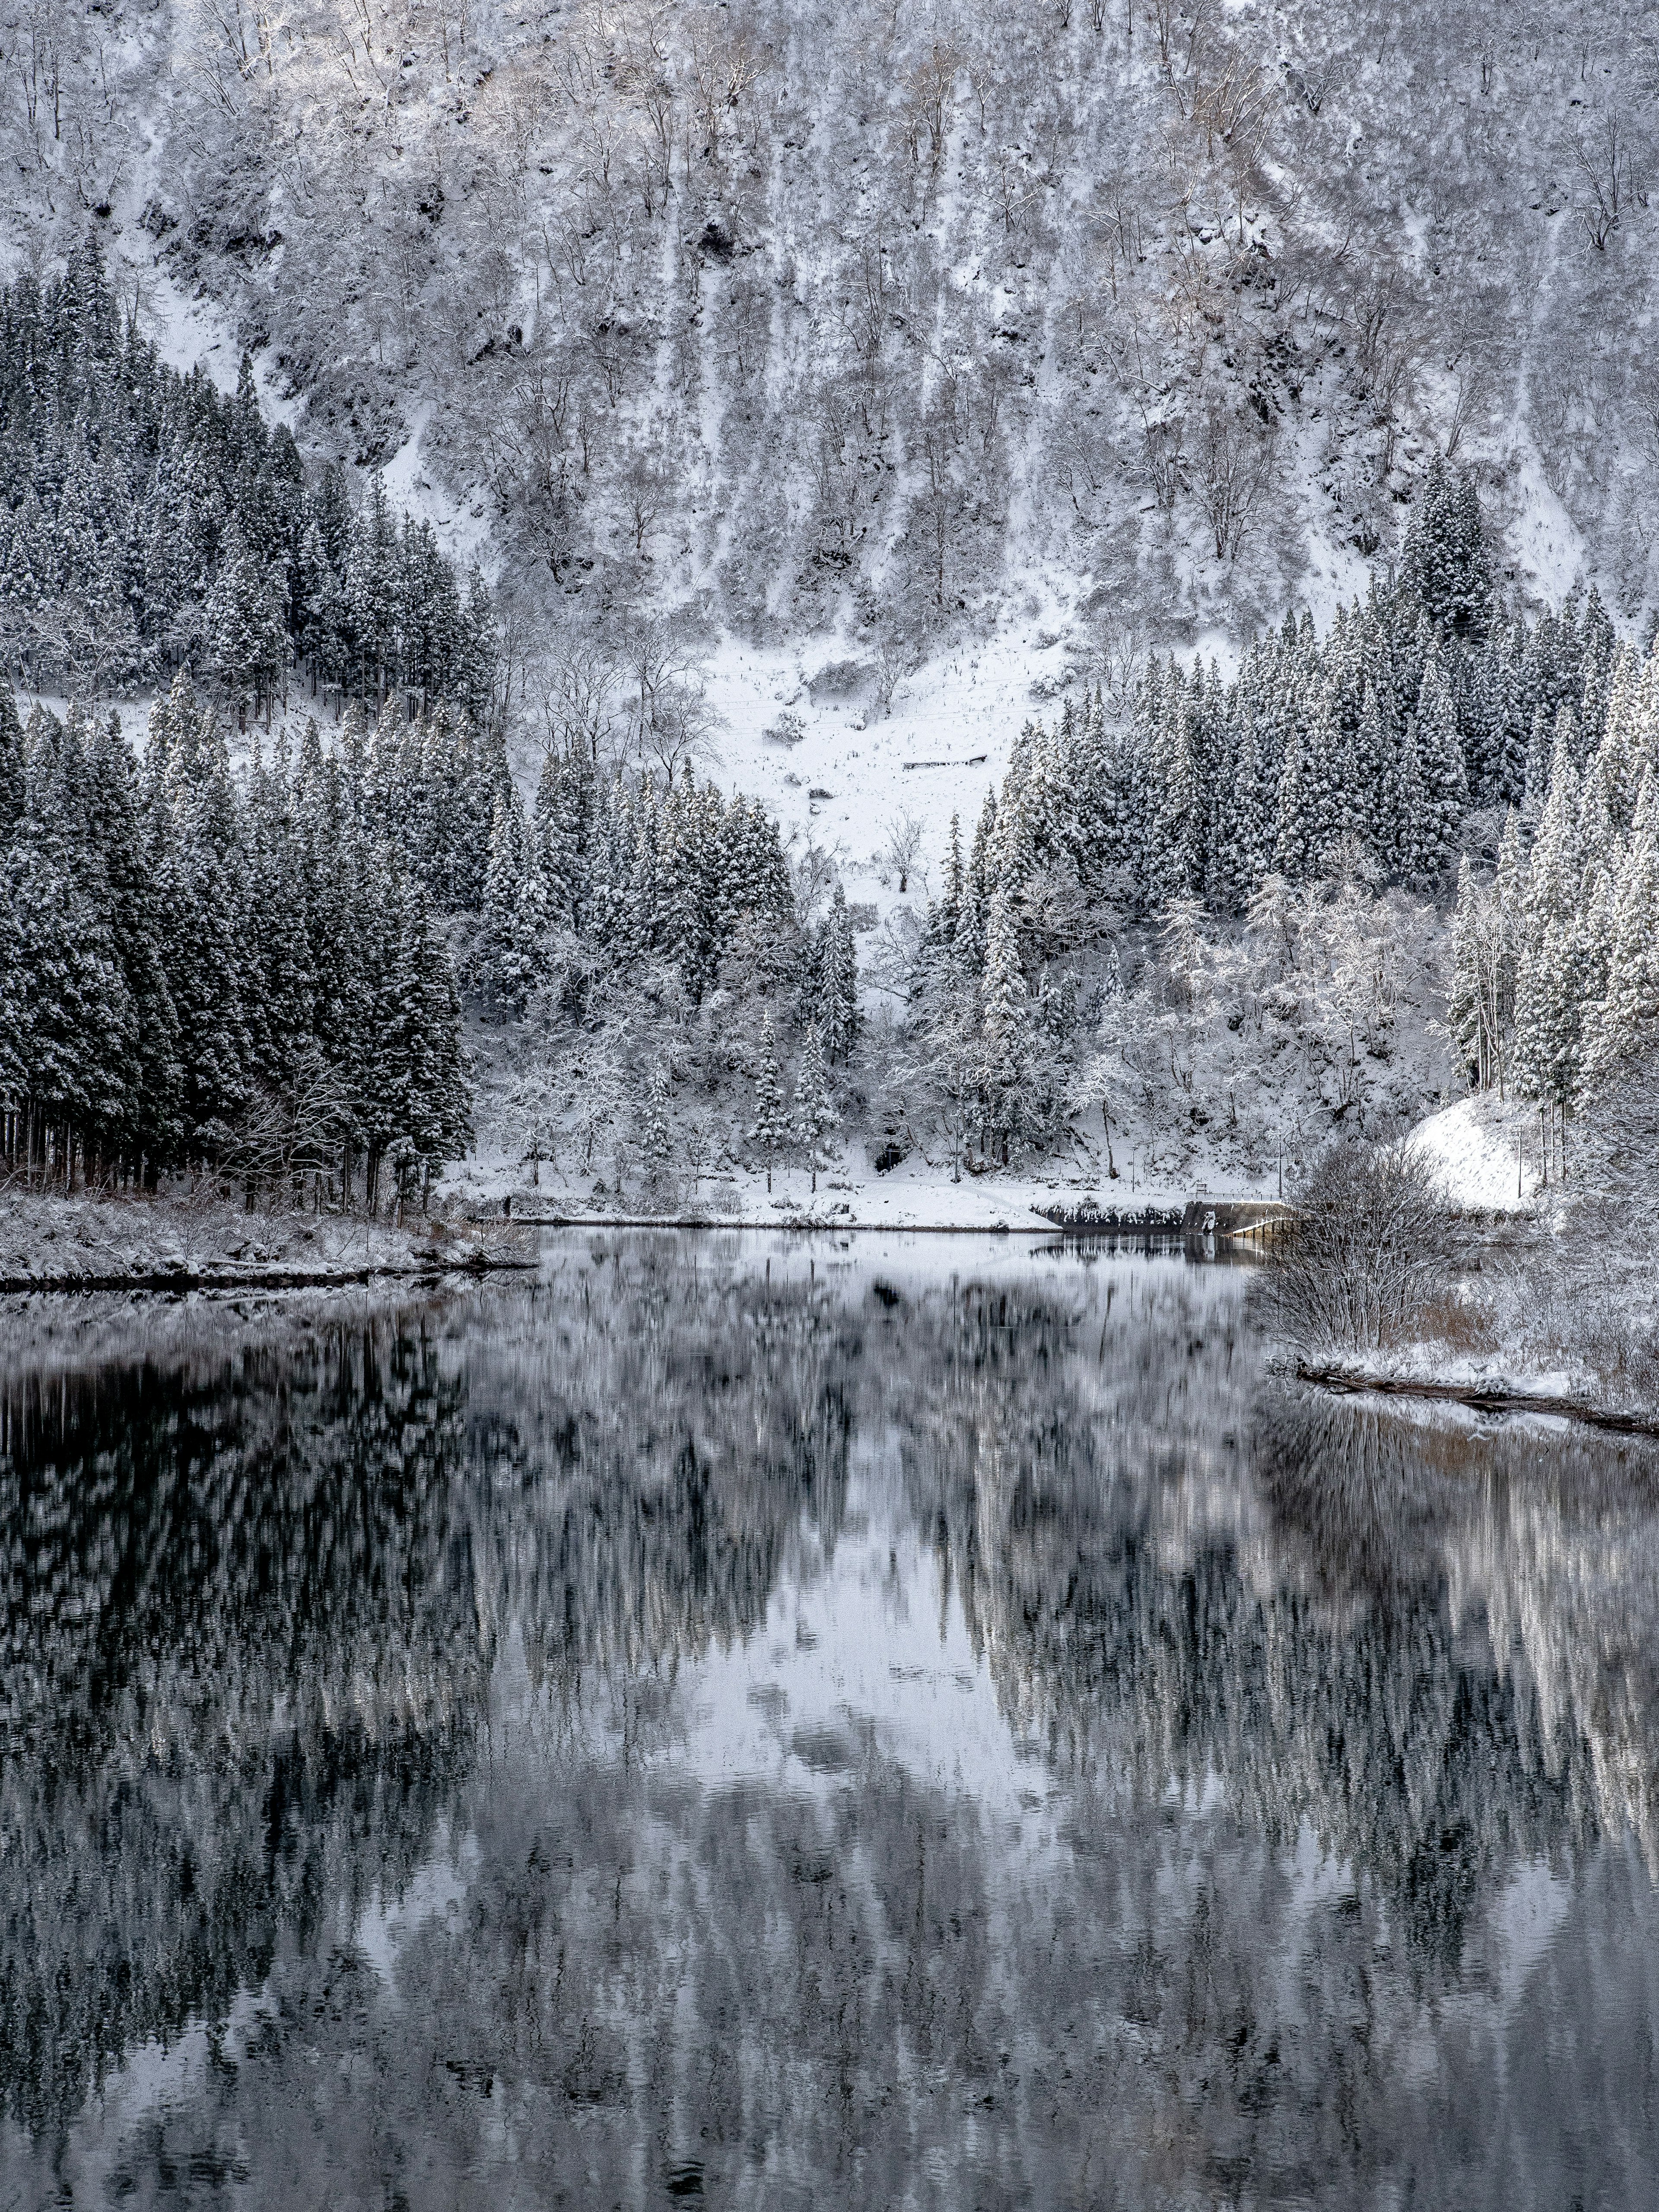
[(723, 593), (813, 317)]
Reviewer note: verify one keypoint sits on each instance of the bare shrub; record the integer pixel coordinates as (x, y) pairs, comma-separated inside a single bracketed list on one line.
[(1371, 1254), (902, 848)]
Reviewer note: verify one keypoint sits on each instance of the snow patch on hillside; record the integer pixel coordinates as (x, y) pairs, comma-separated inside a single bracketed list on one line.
[(1484, 1151), (1547, 545), (857, 766), (459, 522)]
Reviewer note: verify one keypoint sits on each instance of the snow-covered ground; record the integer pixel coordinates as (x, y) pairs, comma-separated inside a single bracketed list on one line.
[(898, 1200), (859, 766), (917, 1193), (1485, 1151), (50, 1242)]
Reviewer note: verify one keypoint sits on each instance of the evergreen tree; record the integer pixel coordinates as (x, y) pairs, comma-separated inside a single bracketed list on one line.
[(770, 1128), (1624, 1023), (244, 625), (656, 1143), (816, 1117), (1549, 1009), (14, 773), (1441, 789), (1444, 567), (835, 1006), (1008, 1079), (1311, 802), (514, 920)]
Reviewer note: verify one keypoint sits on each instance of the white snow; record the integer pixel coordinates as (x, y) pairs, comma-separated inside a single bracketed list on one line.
[(965, 709), (1485, 1151), (50, 1241)]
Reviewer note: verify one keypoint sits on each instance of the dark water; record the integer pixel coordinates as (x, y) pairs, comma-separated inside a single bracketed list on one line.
[(926, 1730)]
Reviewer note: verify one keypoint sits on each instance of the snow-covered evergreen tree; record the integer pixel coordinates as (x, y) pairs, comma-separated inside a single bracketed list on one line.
[(1624, 1023), (1444, 565), (815, 1118), (771, 1128)]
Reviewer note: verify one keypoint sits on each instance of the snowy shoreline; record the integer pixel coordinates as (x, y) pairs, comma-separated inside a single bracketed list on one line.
[(50, 1242), (1555, 1395)]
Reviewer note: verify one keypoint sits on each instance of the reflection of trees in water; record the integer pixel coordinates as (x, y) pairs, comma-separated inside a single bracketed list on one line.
[(1544, 1542), (1328, 1662), (250, 1613), (863, 1991), (246, 1663), (239, 1640), (656, 1440)]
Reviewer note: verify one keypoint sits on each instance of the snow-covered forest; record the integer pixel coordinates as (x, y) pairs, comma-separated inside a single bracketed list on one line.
[(1215, 898), (151, 524), (1426, 724), (405, 410), (801, 313), (202, 969)]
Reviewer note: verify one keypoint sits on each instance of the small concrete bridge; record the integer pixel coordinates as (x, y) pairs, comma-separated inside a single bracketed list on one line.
[(1240, 1224), (1254, 1224)]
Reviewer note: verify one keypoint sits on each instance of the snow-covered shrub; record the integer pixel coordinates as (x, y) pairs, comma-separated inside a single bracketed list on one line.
[(1372, 1249)]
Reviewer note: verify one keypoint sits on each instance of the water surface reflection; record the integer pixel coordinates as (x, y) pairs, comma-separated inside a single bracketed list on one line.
[(932, 1731)]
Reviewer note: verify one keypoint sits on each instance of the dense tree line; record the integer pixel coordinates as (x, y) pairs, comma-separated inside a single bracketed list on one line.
[(654, 874), (252, 972), (1363, 753), (199, 967), (147, 522), (1555, 988)]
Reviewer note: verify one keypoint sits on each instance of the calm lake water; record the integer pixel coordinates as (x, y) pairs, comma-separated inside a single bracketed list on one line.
[(922, 1727)]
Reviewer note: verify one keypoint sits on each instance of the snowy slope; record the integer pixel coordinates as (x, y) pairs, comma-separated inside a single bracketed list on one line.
[(943, 743), (794, 273), (1485, 1152)]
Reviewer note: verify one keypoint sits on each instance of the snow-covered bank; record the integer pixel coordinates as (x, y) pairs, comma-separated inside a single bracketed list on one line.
[(1485, 1388), (48, 1242), (1485, 1152), (910, 1196)]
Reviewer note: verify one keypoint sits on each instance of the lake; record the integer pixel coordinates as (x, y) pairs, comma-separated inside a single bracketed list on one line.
[(924, 1724)]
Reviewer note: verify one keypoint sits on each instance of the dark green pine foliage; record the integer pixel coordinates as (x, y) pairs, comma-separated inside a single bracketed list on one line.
[(205, 969), (146, 521), (830, 997), (1372, 744), (1444, 567), (14, 775), (65, 1003)]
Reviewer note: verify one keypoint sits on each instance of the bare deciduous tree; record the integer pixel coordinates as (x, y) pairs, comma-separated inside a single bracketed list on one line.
[(578, 686), (894, 661), (902, 847), (1607, 182), (671, 722), (1119, 663), (1232, 465)]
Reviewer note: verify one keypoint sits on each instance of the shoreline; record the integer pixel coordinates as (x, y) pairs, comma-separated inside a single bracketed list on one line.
[(1347, 1382), (178, 1242), (175, 1282), (802, 1225)]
